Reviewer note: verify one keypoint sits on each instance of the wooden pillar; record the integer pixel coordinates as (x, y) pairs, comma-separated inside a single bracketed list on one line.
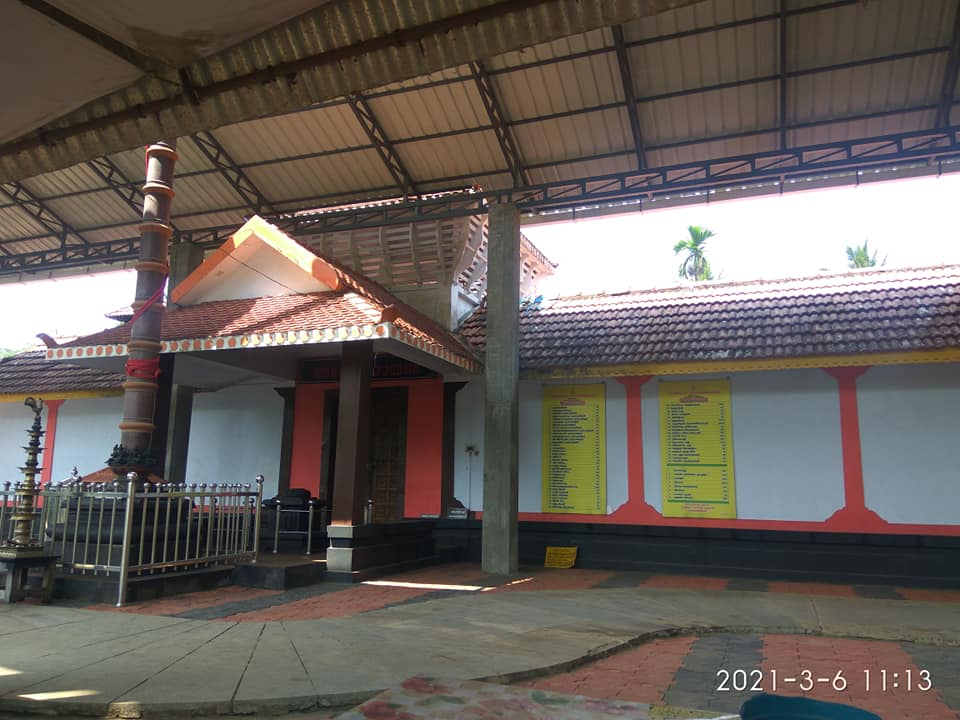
[(351, 474)]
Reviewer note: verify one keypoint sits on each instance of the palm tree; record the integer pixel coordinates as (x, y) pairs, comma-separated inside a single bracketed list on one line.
[(695, 265), (859, 257)]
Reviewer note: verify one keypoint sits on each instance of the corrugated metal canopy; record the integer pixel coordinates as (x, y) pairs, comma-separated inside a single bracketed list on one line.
[(502, 95)]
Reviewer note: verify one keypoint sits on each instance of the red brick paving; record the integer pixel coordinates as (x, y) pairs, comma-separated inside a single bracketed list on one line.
[(362, 598), (805, 588), (574, 579), (190, 601), (687, 582), (340, 603), (641, 674), (790, 655), (927, 595)]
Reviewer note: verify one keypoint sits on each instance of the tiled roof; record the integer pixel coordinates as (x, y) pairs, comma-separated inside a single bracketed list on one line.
[(362, 306), (257, 315), (857, 312), (31, 373)]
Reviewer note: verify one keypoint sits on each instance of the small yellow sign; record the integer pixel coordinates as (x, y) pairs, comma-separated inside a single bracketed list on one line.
[(560, 557)]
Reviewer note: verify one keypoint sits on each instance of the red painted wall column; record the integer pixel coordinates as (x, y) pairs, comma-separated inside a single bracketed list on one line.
[(636, 510), (50, 439), (306, 457), (424, 461), (854, 516)]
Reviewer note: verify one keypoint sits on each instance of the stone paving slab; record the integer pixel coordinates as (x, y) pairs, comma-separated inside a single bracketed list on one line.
[(158, 666)]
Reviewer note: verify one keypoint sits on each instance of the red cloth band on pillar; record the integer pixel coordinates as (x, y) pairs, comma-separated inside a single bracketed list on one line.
[(145, 369), (146, 306)]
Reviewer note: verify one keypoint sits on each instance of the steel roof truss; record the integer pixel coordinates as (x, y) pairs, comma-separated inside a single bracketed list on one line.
[(950, 72), (36, 209), (232, 173), (382, 144), (629, 94), (499, 123)]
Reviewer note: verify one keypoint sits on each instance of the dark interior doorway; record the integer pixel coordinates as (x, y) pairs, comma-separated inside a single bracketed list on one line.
[(388, 450)]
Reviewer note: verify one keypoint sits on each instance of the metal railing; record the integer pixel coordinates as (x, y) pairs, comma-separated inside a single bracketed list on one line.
[(137, 529)]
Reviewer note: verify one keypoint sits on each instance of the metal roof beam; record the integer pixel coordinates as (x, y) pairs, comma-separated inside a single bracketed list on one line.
[(569, 113), (147, 64), (439, 35), (629, 94), (294, 204), (499, 123), (37, 209), (382, 144), (931, 148), (126, 189), (950, 73), (782, 115), (214, 151)]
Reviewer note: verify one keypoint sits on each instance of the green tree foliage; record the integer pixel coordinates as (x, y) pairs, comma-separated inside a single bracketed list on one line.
[(695, 265), (859, 257)]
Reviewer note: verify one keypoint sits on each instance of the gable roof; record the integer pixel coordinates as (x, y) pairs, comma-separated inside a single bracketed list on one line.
[(349, 307), (29, 373), (881, 311)]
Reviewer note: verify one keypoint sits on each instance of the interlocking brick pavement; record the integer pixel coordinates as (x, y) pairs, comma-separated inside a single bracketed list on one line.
[(329, 599), (341, 603), (690, 671), (687, 582), (641, 674), (178, 604)]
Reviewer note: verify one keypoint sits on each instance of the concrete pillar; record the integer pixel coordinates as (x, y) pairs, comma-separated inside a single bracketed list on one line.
[(351, 473), (502, 371), (178, 434), (185, 257)]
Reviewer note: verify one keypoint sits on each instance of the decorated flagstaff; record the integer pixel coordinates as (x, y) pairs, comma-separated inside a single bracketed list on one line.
[(134, 453)]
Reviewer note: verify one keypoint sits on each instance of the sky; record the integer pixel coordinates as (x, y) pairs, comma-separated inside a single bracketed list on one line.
[(910, 222)]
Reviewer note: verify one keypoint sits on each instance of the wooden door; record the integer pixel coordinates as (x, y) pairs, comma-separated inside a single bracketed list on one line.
[(388, 451)]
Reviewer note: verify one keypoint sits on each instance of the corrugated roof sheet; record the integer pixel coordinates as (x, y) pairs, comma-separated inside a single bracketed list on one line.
[(706, 76)]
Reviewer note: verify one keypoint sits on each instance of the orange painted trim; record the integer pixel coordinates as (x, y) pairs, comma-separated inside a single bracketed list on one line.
[(424, 461), (257, 227), (854, 514), (50, 439), (635, 510), (306, 453), (210, 263)]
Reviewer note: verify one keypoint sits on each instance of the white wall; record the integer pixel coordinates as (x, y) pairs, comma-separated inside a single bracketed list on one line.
[(235, 434), (910, 442), (15, 419), (468, 468), (788, 463), (87, 430), (469, 431)]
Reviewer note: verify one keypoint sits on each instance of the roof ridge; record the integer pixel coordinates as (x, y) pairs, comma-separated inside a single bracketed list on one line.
[(856, 277)]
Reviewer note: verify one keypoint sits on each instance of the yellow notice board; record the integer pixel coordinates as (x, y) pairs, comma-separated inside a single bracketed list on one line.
[(696, 449), (574, 449)]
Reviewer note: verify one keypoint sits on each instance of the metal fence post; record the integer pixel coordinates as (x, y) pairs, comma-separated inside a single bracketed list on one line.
[(127, 539), (258, 509)]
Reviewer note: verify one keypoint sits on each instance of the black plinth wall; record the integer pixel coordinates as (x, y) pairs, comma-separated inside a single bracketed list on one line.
[(910, 560)]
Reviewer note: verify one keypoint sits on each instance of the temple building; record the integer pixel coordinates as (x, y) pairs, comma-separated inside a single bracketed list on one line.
[(799, 428)]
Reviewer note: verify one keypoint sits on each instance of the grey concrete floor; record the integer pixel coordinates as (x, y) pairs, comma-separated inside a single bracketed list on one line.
[(78, 662)]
